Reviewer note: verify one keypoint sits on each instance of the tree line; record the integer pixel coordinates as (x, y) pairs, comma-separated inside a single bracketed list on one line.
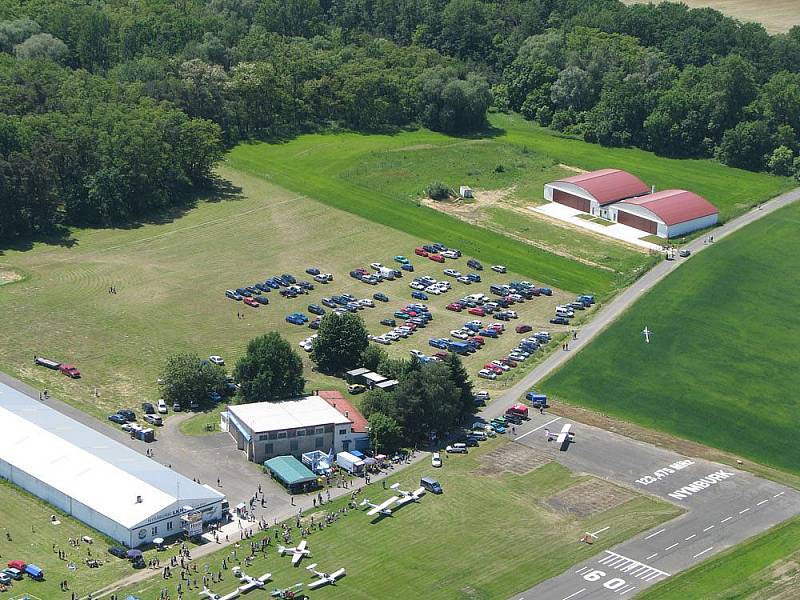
[(110, 111)]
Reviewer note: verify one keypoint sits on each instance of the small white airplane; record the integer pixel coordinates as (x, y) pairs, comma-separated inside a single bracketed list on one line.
[(646, 332), (207, 593), (406, 497), (564, 438), (324, 578), (382, 508), (252, 583), (286, 593), (297, 552)]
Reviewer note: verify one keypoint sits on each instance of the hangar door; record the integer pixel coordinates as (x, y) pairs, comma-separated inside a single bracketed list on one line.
[(637, 222), (570, 200)]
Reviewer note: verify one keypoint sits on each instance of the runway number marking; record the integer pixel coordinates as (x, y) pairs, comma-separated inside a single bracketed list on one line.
[(623, 564), (664, 472)]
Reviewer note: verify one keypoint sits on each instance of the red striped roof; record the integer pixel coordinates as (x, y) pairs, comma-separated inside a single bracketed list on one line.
[(342, 404), (608, 185), (675, 206)]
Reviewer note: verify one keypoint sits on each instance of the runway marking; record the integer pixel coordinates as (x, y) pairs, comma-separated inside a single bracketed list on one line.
[(671, 547), (762, 502), (709, 549), (580, 591), (709, 528), (653, 555), (599, 531), (581, 570), (741, 512), (652, 535), (632, 567), (537, 429), (727, 519), (779, 494), (694, 535), (630, 589)]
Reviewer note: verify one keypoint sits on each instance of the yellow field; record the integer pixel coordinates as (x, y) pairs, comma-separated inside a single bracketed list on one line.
[(777, 16)]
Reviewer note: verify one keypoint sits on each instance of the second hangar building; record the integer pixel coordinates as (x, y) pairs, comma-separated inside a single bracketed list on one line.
[(620, 197)]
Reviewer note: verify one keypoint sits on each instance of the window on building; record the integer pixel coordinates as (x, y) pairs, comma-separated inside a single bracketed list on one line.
[(319, 430), (281, 435), (318, 443), (310, 431), (268, 449), (329, 428), (169, 525), (263, 437), (292, 433), (343, 432), (154, 531), (294, 445), (301, 432), (273, 435)]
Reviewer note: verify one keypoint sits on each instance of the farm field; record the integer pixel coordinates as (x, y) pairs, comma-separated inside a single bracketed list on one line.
[(27, 521), (171, 280), (461, 543), (767, 566), (721, 368), (777, 16)]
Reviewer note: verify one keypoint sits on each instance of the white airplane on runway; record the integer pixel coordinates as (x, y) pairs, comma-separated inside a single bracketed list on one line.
[(406, 497), (382, 508), (300, 551), (646, 332), (564, 438), (324, 578)]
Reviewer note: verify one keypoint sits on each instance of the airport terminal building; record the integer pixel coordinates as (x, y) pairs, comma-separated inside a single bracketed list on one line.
[(95, 479)]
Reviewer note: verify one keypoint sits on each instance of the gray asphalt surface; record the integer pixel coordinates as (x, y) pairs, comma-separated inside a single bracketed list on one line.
[(726, 507)]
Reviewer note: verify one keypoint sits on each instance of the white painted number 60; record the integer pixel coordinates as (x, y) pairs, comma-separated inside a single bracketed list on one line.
[(614, 584), (594, 575)]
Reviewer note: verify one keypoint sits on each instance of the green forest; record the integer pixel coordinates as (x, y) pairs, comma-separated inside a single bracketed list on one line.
[(115, 112)]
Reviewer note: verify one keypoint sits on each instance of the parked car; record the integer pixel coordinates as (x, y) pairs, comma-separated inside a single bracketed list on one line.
[(316, 309), (117, 418), (154, 419), (420, 252), (162, 406), (559, 321), (118, 551), (356, 388), (499, 269), (407, 267), (176, 407), (685, 253), (148, 408), (380, 297), (478, 311), (312, 271), (523, 328), (401, 259), (419, 295), (487, 374), (436, 258), (474, 264), (250, 302), (232, 295), (458, 448), (436, 460)]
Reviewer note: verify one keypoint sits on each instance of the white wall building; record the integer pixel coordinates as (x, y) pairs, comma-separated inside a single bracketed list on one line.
[(95, 479)]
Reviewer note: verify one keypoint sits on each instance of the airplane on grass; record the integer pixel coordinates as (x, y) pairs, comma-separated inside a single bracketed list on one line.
[(324, 578), (564, 438), (297, 552), (250, 583), (406, 497), (288, 593), (382, 508), (647, 333)]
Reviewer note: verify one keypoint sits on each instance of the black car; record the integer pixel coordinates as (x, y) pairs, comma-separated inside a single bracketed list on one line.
[(243, 292), (117, 418), (118, 551), (471, 441), (312, 271), (289, 278), (307, 285), (148, 408), (262, 300), (381, 297), (315, 323), (474, 264), (356, 274), (253, 290), (389, 322), (329, 303), (559, 321), (127, 413), (316, 309)]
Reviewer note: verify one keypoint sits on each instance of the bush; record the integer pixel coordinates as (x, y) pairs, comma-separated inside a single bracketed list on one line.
[(437, 191)]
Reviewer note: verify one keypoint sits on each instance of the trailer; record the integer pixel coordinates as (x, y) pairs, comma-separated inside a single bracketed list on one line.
[(68, 370), (537, 400), (350, 463), (459, 347)]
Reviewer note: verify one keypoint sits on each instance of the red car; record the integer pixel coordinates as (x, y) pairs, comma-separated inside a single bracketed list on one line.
[(479, 340), (454, 307), (494, 367), (441, 355), (69, 371), (436, 258), (509, 300), (250, 302), (508, 362), (411, 326), (361, 270), (523, 328), (478, 311), (420, 252)]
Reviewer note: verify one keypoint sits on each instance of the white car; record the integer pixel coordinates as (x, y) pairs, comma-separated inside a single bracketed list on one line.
[(217, 360), (433, 290), (449, 253), (452, 273), (416, 285), (512, 313), (459, 334), (501, 365), (482, 395), (475, 322), (376, 265), (161, 406), (464, 280), (417, 353), (382, 340), (367, 302), (487, 374), (436, 460), (499, 269)]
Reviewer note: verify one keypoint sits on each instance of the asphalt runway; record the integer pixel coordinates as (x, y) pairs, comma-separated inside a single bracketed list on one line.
[(724, 507)]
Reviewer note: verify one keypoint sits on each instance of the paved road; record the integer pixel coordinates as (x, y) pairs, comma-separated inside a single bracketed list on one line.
[(724, 507), (608, 313)]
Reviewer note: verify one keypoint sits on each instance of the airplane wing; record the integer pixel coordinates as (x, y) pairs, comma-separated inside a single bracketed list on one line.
[(383, 506), (565, 437), (265, 577), (419, 492), (302, 545), (318, 583), (337, 574), (296, 558), (405, 500)]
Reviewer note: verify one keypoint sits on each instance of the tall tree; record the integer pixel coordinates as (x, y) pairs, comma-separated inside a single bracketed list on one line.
[(269, 370), (340, 342), (187, 379)]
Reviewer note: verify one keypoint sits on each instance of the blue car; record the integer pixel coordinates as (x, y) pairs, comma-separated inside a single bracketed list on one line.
[(472, 326), (440, 343), (546, 291), (487, 333), (408, 267), (316, 309), (312, 271), (117, 418), (474, 277), (419, 295), (262, 299), (273, 283), (243, 292)]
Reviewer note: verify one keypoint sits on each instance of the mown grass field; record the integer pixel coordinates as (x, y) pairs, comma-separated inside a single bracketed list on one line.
[(765, 567), (27, 520), (487, 536), (777, 16), (721, 368), (171, 278)]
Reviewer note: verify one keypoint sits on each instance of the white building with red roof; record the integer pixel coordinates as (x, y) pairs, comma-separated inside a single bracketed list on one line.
[(667, 214), (591, 192)]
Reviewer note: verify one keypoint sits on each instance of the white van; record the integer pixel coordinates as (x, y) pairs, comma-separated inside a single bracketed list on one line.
[(162, 406)]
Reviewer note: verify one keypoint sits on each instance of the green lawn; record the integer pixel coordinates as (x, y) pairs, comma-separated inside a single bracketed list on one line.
[(27, 520), (722, 364), (171, 278), (487, 536), (767, 566)]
